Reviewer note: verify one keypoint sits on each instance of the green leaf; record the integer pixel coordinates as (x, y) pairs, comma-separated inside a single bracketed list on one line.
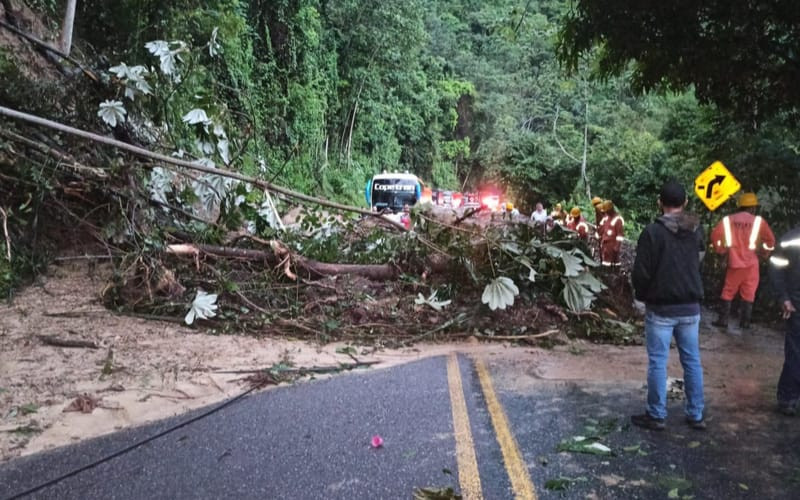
[(531, 271), (29, 408), (112, 112), (693, 444), (576, 296), (560, 484), (437, 305), (587, 280), (673, 493), (436, 494), (572, 265), (511, 247), (500, 293), (582, 444)]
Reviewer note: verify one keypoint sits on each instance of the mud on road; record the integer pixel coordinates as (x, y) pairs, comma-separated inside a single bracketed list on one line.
[(146, 370)]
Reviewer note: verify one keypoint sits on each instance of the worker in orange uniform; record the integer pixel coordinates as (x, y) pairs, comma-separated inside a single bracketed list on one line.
[(612, 233), (598, 214), (577, 223), (509, 208), (743, 236)]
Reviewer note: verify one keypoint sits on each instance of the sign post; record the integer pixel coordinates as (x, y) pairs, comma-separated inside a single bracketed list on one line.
[(715, 185)]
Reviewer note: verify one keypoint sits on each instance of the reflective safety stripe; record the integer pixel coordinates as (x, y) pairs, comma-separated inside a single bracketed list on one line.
[(582, 225), (767, 247), (754, 233), (791, 243), (609, 232), (778, 261), (726, 224), (620, 238), (617, 218)]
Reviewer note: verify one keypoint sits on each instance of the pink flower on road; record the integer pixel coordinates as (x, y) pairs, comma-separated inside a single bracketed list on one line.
[(377, 441)]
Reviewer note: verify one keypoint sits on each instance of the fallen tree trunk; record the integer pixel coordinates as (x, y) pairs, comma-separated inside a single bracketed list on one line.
[(280, 254)]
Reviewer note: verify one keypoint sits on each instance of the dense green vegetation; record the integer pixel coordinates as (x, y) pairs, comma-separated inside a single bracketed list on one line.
[(319, 95), (460, 92)]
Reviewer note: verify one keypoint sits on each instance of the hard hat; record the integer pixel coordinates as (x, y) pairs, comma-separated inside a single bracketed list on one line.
[(575, 212), (509, 205), (606, 206), (748, 199), (558, 206), (596, 201)]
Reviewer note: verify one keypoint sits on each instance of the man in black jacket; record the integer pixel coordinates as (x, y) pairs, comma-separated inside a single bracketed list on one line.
[(666, 277), (785, 276)]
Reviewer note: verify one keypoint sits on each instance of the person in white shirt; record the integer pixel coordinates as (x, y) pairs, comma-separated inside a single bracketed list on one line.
[(539, 216)]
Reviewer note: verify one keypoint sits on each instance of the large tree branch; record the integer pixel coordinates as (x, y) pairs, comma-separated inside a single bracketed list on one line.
[(187, 164), (281, 254)]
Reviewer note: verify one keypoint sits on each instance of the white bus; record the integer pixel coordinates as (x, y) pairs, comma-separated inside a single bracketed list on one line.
[(392, 191)]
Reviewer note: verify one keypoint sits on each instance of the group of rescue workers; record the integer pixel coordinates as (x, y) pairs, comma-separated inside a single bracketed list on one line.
[(605, 237)]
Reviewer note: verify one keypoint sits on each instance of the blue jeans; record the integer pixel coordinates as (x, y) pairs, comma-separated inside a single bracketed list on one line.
[(789, 383), (658, 332)]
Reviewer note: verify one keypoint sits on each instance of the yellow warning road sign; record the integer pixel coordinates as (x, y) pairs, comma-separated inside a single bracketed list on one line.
[(715, 185)]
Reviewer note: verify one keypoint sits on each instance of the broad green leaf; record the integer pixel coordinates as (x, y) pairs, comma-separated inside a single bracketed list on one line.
[(511, 247), (576, 296), (587, 280), (500, 293), (112, 112), (531, 271), (196, 116), (572, 265), (203, 307), (213, 45)]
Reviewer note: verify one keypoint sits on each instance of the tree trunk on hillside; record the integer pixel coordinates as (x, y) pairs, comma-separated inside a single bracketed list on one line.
[(585, 148), (66, 28)]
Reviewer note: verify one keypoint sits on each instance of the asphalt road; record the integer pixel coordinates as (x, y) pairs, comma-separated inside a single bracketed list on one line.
[(445, 422)]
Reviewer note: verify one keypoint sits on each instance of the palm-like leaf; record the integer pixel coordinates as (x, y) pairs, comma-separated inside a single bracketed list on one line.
[(500, 293)]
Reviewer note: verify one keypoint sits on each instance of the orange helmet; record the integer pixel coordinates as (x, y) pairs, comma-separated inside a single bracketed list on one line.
[(575, 212), (606, 206), (747, 200), (596, 201)]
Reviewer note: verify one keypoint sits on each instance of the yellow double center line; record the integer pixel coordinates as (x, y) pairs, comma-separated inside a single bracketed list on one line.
[(468, 476)]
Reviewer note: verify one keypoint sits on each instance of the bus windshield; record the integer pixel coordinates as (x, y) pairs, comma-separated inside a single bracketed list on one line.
[(394, 193)]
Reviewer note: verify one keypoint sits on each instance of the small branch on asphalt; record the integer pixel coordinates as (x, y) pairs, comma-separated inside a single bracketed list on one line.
[(316, 370)]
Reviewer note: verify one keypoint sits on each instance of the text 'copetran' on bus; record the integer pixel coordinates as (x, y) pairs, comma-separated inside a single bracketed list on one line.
[(392, 191)]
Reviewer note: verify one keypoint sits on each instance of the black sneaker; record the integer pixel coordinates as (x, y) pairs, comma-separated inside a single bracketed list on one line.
[(647, 422), (699, 425)]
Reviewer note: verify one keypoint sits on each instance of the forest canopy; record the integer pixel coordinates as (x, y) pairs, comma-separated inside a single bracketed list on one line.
[(739, 54)]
